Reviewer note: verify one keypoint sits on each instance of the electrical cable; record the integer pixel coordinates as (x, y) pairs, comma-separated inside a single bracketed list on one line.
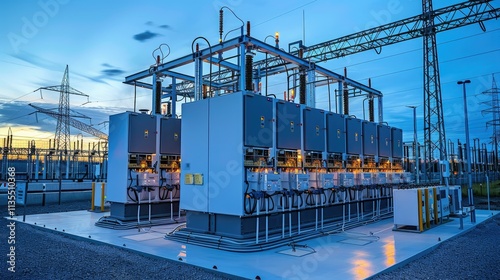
[(12, 100), (242, 22), (285, 13), (160, 50), (275, 241)]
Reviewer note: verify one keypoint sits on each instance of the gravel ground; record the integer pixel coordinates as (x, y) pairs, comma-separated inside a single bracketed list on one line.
[(43, 254), (473, 255)]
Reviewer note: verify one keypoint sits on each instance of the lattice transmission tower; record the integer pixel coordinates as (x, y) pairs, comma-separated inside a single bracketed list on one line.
[(493, 104), (62, 135)]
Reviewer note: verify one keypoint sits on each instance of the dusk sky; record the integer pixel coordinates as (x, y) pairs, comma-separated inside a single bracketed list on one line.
[(105, 41)]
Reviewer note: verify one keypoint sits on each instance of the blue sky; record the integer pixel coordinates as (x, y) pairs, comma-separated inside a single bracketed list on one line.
[(104, 41)]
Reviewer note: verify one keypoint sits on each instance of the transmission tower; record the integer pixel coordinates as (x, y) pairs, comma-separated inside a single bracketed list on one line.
[(493, 108), (434, 133), (62, 135)]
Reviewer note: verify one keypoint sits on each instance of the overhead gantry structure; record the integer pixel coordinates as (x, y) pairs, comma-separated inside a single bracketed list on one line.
[(231, 68)]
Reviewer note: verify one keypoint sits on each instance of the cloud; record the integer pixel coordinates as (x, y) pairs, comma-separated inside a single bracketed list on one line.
[(112, 72), (46, 64), (38, 61), (144, 36), (151, 23), (98, 79)]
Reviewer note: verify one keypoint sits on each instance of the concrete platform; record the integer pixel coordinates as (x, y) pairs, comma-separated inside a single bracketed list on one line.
[(354, 254)]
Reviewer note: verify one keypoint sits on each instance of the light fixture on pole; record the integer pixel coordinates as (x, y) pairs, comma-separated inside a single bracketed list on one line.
[(415, 145), (469, 157)]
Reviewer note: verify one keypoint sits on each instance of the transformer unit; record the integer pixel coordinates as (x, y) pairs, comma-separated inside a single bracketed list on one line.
[(238, 138), (133, 177), (245, 169)]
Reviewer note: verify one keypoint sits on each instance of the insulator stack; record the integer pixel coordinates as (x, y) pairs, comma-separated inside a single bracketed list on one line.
[(221, 27), (157, 108), (168, 109), (371, 109), (345, 99), (345, 95), (371, 104), (248, 72), (302, 88)]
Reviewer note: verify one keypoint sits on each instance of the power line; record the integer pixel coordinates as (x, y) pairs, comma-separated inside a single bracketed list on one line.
[(285, 13), (419, 67), (443, 83), (12, 100)]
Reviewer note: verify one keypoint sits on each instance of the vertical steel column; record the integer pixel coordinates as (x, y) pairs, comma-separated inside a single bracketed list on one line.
[(241, 82), (153, 99), (67, 166), (198, 77), (469, 156), (380, 110), (339, 106), (174, 97), (37, 166), (311, 88)]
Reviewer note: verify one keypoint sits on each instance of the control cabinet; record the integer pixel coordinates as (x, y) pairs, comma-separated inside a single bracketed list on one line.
[(336, 133), (397, 142), (353, 132), (258, 120), (170, 135), (288, 125), (132, 146), (384, 141), (370, 144), (314, 130)]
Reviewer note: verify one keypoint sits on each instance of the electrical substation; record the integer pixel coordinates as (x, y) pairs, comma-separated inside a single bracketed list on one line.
[(242, 172)]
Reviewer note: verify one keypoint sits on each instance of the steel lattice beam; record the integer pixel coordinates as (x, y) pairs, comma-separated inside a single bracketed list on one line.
[(446, 18)]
